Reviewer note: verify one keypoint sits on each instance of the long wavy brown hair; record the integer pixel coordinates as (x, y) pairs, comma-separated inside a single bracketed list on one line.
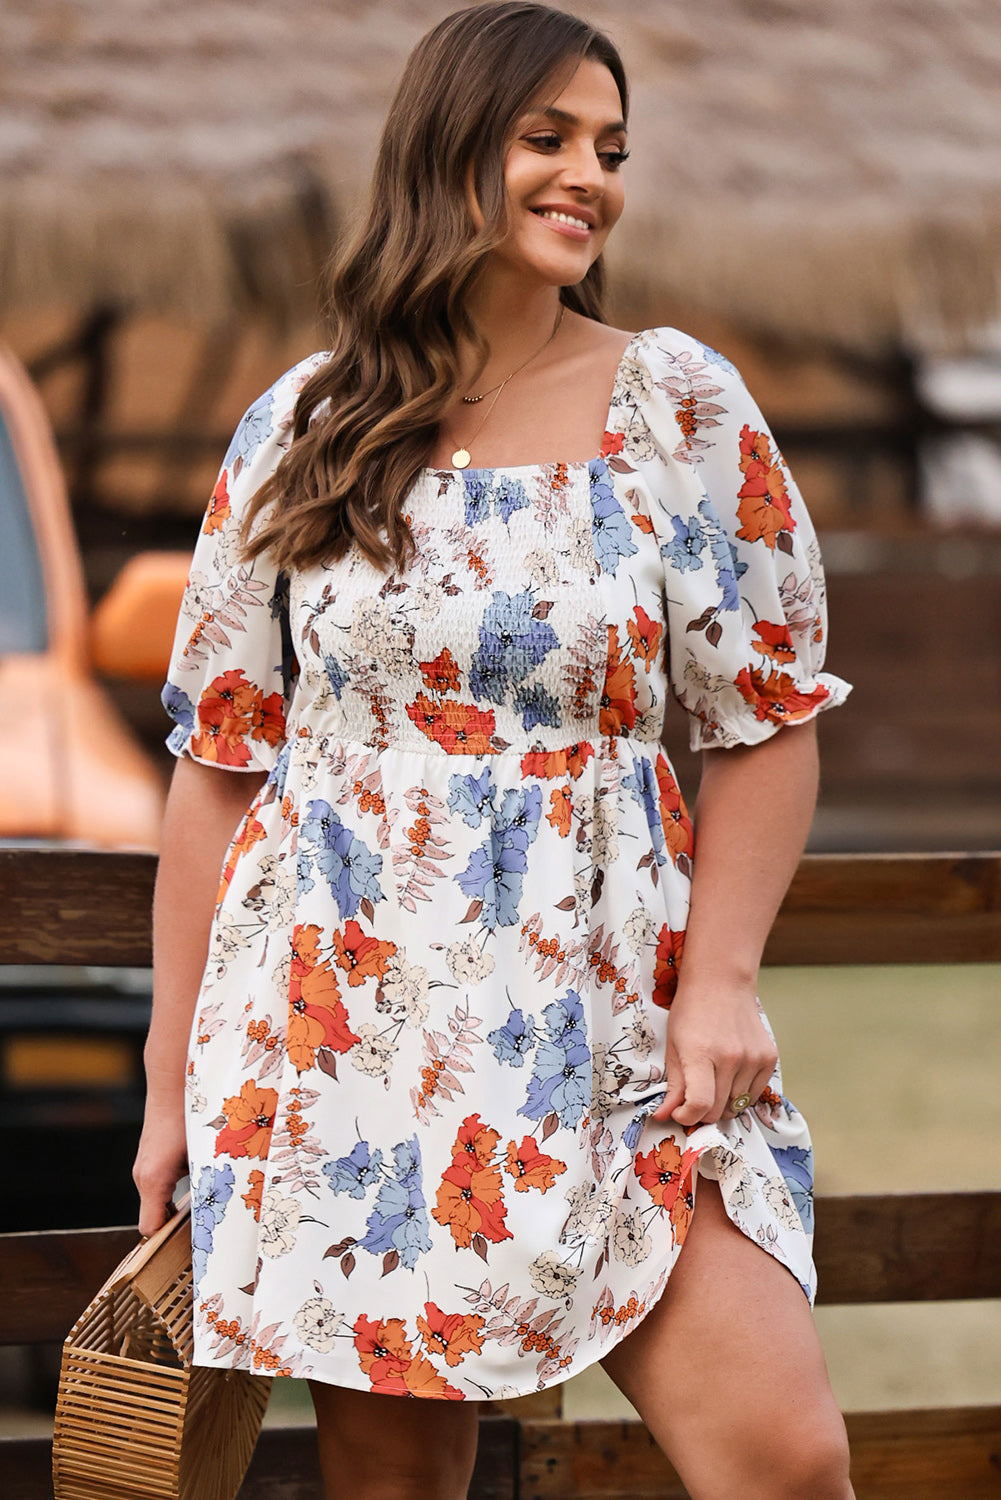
[(397, 291)]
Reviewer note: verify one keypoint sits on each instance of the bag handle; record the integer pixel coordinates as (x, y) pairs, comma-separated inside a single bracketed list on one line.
[(141, 1253)]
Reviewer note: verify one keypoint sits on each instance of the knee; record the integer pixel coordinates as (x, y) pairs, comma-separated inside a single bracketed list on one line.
[(813, 1464), (398, 1470)]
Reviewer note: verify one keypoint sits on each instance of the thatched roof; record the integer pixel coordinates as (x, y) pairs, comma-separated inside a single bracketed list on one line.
[(817, 168)]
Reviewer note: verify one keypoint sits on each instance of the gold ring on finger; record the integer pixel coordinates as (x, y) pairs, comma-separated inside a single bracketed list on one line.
[(739, 1104)]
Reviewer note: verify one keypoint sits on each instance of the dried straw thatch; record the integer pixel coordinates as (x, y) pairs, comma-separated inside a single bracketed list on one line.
[(820, 168)]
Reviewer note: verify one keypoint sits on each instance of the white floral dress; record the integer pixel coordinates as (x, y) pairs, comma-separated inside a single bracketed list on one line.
[(430, 1031)]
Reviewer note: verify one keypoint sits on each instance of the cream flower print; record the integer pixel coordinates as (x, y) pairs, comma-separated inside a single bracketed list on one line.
[(638, 929), (551, 1276), (630, 1242), (467, 963), (404, 986), (279, 1222), (374, 1051), (542, 569), (317, 1322)]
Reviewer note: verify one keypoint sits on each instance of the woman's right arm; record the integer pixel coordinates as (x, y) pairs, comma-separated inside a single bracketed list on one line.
[(204, 808)]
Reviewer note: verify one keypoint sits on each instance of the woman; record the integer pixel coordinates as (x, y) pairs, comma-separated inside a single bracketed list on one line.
[(455, 1108)]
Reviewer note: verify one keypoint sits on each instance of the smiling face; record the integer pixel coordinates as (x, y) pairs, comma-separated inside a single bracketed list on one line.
[(562, 175)]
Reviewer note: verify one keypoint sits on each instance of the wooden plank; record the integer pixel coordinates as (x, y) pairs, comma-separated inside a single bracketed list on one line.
[(49, 1277), (895, 1247), (890, 908), (908, 1247), (285, 1465), (72, 906), (911, 1455), (89, 907)]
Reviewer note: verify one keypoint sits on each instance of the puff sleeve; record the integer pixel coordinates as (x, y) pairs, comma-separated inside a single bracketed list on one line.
[(232, 667), (744, 584)]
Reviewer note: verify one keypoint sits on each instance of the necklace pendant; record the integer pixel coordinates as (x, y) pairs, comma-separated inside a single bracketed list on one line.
[(460, 458)]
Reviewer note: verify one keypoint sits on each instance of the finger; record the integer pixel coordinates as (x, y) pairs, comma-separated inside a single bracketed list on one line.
[(742, 1085), (674, 1085), (153, 1214), (700, 1093)]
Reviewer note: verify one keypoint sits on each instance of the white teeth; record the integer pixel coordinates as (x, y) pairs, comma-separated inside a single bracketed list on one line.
[(549, 213)]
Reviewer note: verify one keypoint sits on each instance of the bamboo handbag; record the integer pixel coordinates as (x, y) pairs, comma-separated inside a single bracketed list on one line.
[(134, 1417)]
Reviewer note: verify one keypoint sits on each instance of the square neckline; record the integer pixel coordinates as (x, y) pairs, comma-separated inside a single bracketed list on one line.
[(574, 463)]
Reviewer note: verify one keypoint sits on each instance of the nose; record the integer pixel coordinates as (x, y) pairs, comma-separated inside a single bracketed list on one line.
[(583, 172)]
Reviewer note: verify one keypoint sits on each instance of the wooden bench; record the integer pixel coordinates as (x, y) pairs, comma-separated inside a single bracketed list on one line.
[(85, 908)]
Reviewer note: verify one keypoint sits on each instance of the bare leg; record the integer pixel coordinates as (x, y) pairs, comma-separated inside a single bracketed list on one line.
[(728, 1374), (393, 1447)]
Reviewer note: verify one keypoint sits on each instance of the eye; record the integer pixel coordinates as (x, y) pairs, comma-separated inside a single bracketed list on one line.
[(549, 142), (614, 159)]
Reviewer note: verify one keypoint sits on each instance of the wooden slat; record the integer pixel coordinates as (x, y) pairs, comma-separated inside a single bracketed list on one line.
[(953, 1454), (890, 908), (77, 906), (908, 1247), (69, 906), (49, 1277), (895, 1247), (284, 1466)]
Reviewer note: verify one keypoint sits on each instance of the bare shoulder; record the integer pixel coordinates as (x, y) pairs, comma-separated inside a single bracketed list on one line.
[(589, 344)]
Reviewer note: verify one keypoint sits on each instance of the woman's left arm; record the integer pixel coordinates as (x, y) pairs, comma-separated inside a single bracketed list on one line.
[(752, 816)]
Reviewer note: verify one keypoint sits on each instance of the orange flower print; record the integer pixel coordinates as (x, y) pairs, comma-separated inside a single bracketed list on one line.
[(250, 834), (764, 501), (360, 956), (420, 1378), (459, 728), (470, 1203), (559, 810), (618, 697), (475, 1142), (645, 635), (665, 972), (253, 1198), (267, 718), (218, 509), (775, 641), (442, 674), (250, 1117), (530, 1167), (224, 720), (383, 1348), (678, 833), (611, 444), (775, 697), (316, 1016), (453, 1335), (549, 764), (662, 1171)]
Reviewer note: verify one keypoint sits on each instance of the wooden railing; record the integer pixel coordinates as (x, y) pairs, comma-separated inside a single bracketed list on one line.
[(86, 908)]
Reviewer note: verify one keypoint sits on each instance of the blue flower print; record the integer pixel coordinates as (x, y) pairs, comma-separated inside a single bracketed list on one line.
[(495, 495), (494, 876), (684, 553), (182, 711), (724, 554), (354, 1174), (713, 357), (633, 1131), (513, 1041), (642, 786), (399, 1220), (209, 1198), (252, 431), (536, 706), (796, 1165), (347, 864), (336, 675), (561, 1072), (470, 797), (517, 819), (512, 643), (609, 527)]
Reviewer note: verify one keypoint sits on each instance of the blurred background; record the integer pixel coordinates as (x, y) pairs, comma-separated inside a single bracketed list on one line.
[(814, 190)]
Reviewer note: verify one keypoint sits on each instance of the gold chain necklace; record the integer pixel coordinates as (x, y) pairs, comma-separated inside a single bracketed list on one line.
[(461, 456)]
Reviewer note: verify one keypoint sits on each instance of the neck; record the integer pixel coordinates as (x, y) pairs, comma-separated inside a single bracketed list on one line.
[(513, 318)]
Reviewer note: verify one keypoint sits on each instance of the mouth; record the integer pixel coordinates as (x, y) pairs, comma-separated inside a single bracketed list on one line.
[(571, 225)]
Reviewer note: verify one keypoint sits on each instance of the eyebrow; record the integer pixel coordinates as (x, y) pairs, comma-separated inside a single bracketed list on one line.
[(565, 118)]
